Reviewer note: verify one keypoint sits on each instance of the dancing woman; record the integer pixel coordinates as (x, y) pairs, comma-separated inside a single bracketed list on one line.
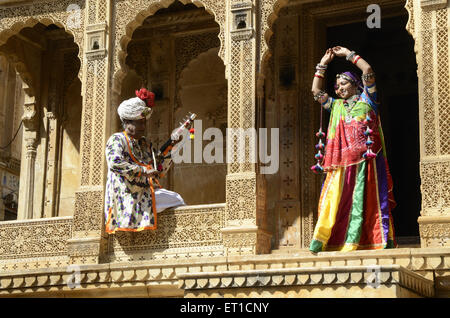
[(356, 199)]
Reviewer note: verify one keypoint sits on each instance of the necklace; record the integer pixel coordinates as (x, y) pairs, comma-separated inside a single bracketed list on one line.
[(349, 106)]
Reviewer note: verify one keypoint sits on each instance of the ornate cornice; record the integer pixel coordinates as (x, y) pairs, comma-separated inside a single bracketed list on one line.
[(398, 266), (310, 276)]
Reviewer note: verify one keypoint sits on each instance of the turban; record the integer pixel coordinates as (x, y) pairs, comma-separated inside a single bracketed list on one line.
[(136, 108)]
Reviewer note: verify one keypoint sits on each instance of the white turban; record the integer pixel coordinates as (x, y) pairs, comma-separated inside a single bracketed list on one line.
[(134, 109)]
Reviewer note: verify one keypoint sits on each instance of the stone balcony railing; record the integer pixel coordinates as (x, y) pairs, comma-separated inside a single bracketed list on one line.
[(28, 244), (183, 233)]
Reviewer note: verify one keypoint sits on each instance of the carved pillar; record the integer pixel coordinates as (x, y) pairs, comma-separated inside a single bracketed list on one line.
[(88, 243), (51, 164), (30, 137), (52, 123), (288, 205), (241, 234), (429, 25)]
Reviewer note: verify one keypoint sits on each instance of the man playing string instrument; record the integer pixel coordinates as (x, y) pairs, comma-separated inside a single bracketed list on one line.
[(133, 195)]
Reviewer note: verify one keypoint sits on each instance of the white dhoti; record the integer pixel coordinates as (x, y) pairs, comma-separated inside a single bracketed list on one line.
[(167, 199)]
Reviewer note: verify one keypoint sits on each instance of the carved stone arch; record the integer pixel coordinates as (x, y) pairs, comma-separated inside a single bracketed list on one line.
[(192, 64), (269, 13), (203, 89), (410, 25), (59, 13), (129, 15), (22, 70)]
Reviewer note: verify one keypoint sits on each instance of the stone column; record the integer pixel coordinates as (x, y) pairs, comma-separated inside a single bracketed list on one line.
[(52, 122), (30, 138), (88, 243), (429, 24), (243, 232)]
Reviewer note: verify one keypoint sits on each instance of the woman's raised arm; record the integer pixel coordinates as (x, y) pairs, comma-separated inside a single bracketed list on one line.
[(320, 95), (368, 76)]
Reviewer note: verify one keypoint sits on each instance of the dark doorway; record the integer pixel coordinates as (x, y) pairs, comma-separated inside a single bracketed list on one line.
[(390, 52)]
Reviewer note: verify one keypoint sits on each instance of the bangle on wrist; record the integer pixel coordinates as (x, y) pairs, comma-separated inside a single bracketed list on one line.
[(319, 95), (368, 76), (356, 59), (319, 75), (350, 55)]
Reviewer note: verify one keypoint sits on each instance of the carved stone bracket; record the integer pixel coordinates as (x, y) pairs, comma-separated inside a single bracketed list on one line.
[(29, 118), (242, 21)]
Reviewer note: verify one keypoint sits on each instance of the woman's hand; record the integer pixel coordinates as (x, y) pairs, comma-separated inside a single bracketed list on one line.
[(341, 51), (327, 58)]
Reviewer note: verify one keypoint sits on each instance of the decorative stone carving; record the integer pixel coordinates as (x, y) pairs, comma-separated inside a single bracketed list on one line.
[(433, 4), (182, 233), (31, 134), (68, 14), (242, 21), (434, 231), (129, 15), (213, 234), (302, 277), (34, 238), (96, 41)]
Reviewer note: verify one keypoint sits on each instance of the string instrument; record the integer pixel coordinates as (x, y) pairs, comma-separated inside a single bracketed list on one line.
[(163, 157)]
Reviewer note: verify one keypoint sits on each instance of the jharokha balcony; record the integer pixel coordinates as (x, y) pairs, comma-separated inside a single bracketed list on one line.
[(66, 66)]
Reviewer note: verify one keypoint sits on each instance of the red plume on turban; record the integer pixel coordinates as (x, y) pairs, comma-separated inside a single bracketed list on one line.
[(146, 96)]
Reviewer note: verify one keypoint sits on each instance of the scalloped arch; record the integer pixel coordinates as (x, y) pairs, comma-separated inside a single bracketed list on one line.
[(410, 25), (269, 13), (189, 66), (21, 67), (125, 29)]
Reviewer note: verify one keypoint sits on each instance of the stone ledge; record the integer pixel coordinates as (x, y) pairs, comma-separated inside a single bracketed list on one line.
[(327, 267), (371, 276)]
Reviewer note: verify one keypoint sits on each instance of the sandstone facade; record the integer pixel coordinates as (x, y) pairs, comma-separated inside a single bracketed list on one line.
[(66, 65)]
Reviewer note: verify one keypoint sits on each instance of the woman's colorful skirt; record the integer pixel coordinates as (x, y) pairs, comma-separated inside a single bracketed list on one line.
[(355, 208)]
